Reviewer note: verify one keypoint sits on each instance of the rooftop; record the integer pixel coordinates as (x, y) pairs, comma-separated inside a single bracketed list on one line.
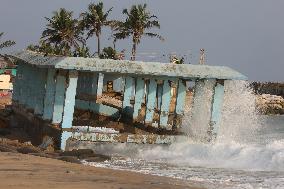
[(185, 71)]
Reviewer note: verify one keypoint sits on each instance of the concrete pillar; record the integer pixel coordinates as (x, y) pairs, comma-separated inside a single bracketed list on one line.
[(165, 107), (69, 107), (139, 94), (217, 105), (100, 84), (59, 98), (151, 101), (126, 105), (180, 102)]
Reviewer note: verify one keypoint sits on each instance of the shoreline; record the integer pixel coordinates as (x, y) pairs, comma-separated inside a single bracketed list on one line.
[(27, 171)]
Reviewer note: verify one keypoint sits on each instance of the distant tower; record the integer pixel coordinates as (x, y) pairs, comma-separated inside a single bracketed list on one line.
[(202, 57)]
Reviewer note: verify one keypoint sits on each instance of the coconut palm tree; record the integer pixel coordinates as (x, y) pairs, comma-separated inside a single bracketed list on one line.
[(6, 44), (63, 32), (94, 20), (138, 21)]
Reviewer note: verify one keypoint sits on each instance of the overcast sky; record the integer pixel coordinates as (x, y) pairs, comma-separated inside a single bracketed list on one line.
[(247, 35)]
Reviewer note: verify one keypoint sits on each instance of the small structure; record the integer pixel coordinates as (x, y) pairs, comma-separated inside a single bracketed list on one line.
[(7, 73), (58, 97)]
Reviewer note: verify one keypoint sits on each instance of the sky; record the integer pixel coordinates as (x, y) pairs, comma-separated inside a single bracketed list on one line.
[(246, 35)]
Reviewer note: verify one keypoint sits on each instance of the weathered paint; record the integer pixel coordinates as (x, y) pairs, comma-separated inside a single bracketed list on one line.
[(180, 102), (40, 91), (140, 85), (97, 108), (151, 100), (29, 90), (181, 94), (64, 137), (49, 94), (70, 100), (217, 108), (59, 98), (94, 81), (185, 71), (100, 84), (159, 95), (206, 106), (22, 85), (69, 106), (129, 138), (126, 105), (166, 100)]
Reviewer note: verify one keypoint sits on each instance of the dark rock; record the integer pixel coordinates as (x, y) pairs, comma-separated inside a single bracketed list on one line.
[(4, 131), (42, 155), (27, 150), (6, 148), (95, 156), (98, 158), (78, 153), (69, 159)]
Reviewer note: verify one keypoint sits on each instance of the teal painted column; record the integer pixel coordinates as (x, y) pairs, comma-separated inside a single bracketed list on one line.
[(49, 95), (139, 94), (151, 101), (100, 84), (80, 82), (59, 98), (180, 102), (159, 95), (217, 105), (126, 105), (94, 81), (69, 107), (166, 100)]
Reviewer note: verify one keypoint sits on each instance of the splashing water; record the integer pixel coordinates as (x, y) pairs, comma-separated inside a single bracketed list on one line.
[(248, 152), (240, 119)]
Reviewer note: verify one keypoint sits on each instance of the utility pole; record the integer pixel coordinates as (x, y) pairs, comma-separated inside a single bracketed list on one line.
[(202, 57)]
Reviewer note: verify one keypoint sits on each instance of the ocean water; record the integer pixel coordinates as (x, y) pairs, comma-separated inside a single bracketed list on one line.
[(248, 152)]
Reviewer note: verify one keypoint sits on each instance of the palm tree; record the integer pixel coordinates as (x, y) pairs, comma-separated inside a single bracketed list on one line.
[(109, 53), (6, 44), (63, 32), (94, 19), (137, 22)]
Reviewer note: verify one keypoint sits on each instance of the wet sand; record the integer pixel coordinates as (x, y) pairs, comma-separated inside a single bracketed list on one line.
[(28, 171)]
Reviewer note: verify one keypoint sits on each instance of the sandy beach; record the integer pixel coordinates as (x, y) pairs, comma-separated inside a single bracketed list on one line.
[(28, 171)]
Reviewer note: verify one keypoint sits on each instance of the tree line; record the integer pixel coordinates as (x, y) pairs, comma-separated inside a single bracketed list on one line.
[(67, 36)]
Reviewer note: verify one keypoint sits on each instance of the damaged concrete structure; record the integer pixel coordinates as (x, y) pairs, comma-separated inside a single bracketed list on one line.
[(49, 89)]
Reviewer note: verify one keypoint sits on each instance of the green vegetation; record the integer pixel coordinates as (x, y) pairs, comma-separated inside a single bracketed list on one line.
[(5, 44), (63, 33), (67, 36), (94, 19), (138, 21), (109, 53)]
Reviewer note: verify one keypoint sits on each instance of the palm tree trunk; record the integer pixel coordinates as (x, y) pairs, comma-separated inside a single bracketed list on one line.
[(114, 44), (99, 45), (133, 57)]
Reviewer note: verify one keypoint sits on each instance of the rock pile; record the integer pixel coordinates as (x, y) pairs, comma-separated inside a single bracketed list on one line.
[(270, 104)]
